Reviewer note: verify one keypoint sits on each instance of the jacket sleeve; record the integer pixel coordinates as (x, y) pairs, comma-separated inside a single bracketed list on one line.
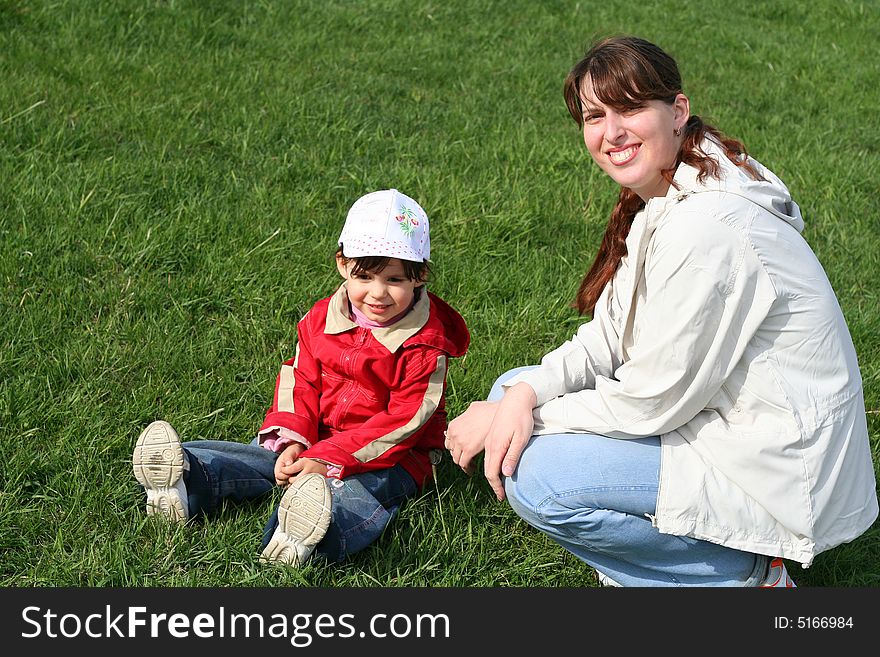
[(705, 296), (591, 353), (295, 404), (385, 438)]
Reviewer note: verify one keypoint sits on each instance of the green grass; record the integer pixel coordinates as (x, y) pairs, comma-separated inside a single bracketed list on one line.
[(174, 177)]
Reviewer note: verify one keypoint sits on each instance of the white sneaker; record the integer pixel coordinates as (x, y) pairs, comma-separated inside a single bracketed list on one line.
[(777, 576), (303, 518), (158, 464), (604, 580)]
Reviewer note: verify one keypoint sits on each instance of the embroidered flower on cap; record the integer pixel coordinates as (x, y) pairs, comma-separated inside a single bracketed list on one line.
[(407, 219)]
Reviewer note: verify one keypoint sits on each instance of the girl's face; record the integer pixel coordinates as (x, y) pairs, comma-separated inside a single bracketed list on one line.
[(380, 296), (633, 146)]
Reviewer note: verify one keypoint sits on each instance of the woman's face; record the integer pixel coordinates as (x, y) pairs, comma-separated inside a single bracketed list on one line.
[(633, 146)]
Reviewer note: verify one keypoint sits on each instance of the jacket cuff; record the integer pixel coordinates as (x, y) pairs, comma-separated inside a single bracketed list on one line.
[(543, 385), (339, 462), (295, 423), (277, 438)]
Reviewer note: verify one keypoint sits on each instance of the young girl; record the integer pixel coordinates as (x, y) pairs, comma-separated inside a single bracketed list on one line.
[(357, 411)]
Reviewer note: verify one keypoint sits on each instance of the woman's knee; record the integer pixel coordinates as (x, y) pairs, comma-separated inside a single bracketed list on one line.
[(527, 490), (518, 499), (497, 391), (554, 479), (536, 503)]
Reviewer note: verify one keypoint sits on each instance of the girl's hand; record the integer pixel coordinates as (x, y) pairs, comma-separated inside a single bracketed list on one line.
[(306, 465), (285, 461), (509, 434), (466, 434)]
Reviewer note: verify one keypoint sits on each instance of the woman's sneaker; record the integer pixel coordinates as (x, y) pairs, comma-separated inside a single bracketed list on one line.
[(777, 576), (303, 518), (158, 463), (604, 580)]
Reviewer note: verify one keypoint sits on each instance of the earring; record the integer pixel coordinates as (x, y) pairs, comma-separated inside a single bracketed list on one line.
[(677, 132)]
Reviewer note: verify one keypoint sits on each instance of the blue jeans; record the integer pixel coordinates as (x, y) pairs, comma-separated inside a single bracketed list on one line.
[(592, 495), (363, 504)]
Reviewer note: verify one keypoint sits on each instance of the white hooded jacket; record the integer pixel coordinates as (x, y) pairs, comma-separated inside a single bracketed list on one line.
[(720, 333)]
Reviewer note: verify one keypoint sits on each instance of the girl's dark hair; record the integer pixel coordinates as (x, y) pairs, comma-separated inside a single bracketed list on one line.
[(414, 271), (625, 72)]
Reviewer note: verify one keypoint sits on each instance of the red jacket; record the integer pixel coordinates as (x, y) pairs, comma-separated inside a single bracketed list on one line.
[(367, 399)]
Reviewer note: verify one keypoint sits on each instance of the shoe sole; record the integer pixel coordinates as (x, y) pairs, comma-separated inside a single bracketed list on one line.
[(157, 462), (303, 518)]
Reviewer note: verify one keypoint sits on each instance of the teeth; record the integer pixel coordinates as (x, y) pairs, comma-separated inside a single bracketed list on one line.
[(620, 156)]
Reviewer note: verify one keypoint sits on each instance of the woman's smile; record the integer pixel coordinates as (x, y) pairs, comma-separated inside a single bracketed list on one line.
[(623, 155)]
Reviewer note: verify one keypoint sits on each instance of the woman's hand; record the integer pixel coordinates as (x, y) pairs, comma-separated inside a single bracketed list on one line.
[(466, 434), (285, 462), (509, 434)]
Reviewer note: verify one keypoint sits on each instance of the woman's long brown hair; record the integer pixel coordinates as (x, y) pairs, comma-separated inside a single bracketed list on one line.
[(625, 72)]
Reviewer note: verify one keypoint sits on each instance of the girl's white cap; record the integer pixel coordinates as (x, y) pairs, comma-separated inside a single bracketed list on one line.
[(386, 223)]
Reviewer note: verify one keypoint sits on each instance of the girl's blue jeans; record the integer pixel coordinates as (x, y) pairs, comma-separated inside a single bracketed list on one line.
[(363, 504), (593, 494)]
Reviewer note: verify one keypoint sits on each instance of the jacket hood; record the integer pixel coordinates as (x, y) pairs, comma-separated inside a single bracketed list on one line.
[(445, 329), (769, 193)]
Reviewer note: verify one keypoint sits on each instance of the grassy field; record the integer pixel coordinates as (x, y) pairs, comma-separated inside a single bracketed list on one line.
[(174, 177)]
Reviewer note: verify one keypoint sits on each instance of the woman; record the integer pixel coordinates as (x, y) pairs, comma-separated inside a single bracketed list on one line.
[(708, 421)]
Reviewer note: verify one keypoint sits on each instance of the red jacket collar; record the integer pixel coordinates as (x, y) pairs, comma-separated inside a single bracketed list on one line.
[(431, 321)]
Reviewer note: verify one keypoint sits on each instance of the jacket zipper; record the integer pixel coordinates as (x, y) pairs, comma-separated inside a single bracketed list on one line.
[(348, 396)]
